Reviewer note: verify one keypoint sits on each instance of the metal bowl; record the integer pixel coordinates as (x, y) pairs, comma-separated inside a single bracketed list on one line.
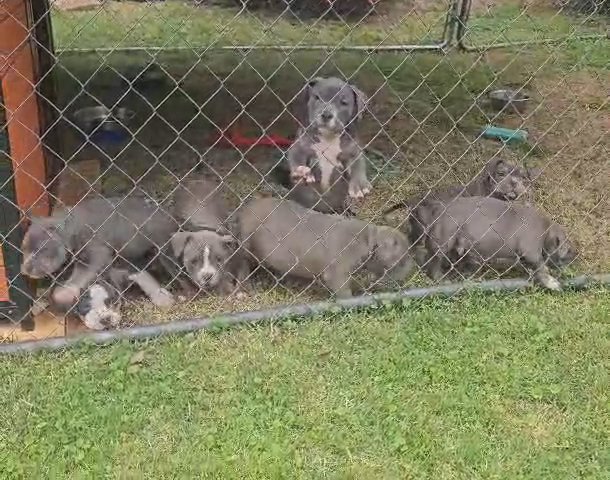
[(102, 118), (509, 99)]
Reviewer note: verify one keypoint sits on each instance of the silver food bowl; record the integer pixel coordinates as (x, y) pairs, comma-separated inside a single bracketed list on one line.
[(509, 99), (102, 118)]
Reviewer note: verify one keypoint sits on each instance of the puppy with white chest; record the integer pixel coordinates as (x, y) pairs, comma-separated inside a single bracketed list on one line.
[(326, 165), (205, 249)]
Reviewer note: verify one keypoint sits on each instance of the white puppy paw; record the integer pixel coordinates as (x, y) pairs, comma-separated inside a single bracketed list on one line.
[(66, 295), (551, 283), (358, 189), (163, 298), (102, 318), (303, 172)]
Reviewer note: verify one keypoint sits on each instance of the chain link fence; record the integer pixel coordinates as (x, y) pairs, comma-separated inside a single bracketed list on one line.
[(237, 161)]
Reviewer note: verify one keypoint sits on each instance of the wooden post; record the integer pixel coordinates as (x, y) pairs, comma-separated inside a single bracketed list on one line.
[(24, 125), (18, 73)]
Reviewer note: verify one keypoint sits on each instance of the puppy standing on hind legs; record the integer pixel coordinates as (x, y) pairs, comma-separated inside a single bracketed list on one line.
[(326, 165)]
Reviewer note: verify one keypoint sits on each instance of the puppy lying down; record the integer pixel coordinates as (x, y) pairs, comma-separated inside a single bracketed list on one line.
[(99, 307), (290, 239), (202, 254), (488, 231)]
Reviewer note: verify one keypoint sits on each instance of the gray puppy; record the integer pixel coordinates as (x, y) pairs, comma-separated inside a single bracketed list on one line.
[(290, 239), (326, 154), (89, 235), (486, 231), (499, 179), (99, 307), (206, 248)]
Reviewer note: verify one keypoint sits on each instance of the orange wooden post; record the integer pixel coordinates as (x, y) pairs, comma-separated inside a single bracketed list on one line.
[(18, 73)]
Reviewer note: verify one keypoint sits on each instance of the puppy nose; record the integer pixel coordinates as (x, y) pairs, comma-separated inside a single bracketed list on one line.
[(206, 277), (326, 115)]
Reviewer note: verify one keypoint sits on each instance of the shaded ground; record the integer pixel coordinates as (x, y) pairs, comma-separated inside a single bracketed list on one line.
[(469, 388), (425, 113)]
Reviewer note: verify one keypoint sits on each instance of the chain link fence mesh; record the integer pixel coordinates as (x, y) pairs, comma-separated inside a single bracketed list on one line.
[(137, 99)]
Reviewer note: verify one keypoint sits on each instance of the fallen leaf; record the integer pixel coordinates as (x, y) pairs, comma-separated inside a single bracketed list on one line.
[(137, 358)]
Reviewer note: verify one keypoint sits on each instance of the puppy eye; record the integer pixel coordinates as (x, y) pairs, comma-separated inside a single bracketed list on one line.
[(344, 101)]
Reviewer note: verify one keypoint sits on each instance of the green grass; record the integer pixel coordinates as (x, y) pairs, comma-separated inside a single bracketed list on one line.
[(479, 386), (176, 24), (510, 23)]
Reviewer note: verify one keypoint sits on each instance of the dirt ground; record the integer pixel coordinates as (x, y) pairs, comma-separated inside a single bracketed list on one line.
[(424, 118)]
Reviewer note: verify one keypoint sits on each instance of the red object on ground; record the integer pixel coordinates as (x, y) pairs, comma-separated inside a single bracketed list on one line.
[(235, 138)]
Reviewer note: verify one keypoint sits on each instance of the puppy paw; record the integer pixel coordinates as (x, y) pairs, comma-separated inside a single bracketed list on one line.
[(303, 173), (163, 298), (66, 295), (359, 189), (240, 295), (551, 283), (39, 306), (102, 318)]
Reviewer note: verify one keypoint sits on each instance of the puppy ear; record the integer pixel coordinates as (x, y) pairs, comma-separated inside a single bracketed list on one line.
[(179, 241), (495, 166), (49, 224), (312, 83), (229, 240), (301, 112), (360, 100), (533, 173)]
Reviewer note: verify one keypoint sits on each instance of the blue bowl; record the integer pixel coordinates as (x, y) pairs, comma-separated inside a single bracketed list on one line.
[(109, 137)]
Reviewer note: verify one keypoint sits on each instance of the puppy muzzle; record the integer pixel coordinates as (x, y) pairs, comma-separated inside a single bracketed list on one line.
[(208, 279), (327, 120), (36, 273)]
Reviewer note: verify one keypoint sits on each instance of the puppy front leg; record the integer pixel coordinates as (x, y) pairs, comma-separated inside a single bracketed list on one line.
[(338, 281), (544, 277), (82, 276), (297, 158), (534, 261), (359, 186), (158, 295)]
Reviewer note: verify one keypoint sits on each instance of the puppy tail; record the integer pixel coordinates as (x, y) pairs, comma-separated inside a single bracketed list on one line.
[(396, 206)]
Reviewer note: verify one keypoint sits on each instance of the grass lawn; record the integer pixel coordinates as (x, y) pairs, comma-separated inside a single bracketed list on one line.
[(179, 24), (480, 386)]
